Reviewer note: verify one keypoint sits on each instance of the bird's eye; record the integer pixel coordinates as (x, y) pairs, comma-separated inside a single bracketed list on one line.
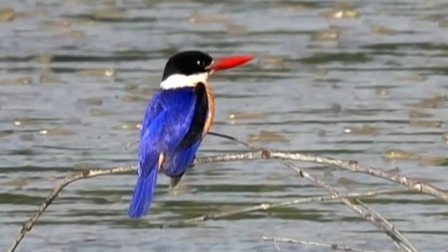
[(198, 62)]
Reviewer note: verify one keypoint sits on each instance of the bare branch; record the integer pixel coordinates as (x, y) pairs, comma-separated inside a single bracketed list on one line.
[(28, 225), (371, 216), (260, 153), (333, 246), (267, 206), (352, 166)]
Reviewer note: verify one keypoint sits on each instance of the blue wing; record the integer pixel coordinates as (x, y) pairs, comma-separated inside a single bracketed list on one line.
[(166, 123), (179, 160)]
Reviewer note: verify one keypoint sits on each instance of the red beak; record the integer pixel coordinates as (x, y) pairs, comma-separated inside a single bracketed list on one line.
[(229, 62)]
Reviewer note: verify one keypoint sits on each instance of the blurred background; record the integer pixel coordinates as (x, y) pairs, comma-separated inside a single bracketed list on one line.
[(362, 80)]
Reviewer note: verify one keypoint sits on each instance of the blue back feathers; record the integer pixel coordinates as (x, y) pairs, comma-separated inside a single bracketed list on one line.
[(173, 125)]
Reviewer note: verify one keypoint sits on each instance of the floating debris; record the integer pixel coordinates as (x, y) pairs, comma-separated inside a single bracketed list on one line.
[(56, 132), (326, 35), (396, 154), (128, 126), (84, 21), (432, 102), (321, 133), (50, 78), (272, 62), (234, 29), (44, 58), (200, 19), (234, 116), (364, 130), (400, 154), (418, 114), (134, 98), (7, 15), (25, 122), (63, 23), (383, 92), (341, 11), (99, 112), (415, 77), (110, 199), (93, 101), (434, 17), (97, 72), (443, 23), (320, 70), (130, 87), (381, 30), (428, 124), (109, 14), (267, 136), (16, 182), (18, 81), (336, 108), (75, 34)]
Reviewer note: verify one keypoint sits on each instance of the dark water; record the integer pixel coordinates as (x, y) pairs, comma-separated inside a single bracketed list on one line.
[(352, 83)]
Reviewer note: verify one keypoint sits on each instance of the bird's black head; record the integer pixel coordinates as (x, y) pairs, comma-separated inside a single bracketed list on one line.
[(189, 68), (187, 63)]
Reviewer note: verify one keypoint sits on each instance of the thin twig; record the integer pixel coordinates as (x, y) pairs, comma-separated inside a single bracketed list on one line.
[(28, 225), (249, 155), (267, 206), (371, 216), (233, 139), (332, 246), (352, 166)]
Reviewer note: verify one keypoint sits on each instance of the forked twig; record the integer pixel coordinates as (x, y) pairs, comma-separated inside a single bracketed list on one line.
[(249, 155), (352, 166), (370, 215)]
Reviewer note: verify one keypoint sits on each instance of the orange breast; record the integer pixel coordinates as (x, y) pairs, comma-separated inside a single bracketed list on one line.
[(211, 109)]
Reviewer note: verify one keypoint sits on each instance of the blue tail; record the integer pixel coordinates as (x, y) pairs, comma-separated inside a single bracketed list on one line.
[(143, 194)]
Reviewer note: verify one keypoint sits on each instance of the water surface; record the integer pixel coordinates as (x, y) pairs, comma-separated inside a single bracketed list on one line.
[(350, 83)]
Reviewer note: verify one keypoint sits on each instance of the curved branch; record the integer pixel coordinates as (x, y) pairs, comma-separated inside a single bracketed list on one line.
[(28, 225), (241, 156), (351, 165), (368, 214)]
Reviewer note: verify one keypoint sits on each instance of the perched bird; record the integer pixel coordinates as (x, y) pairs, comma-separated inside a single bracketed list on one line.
[(176, 120)]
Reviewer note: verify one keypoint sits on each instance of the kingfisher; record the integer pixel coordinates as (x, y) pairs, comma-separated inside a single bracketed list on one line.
[(177, 118)]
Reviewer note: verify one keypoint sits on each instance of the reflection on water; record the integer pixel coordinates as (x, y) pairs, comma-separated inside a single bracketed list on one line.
[(365, 80)]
